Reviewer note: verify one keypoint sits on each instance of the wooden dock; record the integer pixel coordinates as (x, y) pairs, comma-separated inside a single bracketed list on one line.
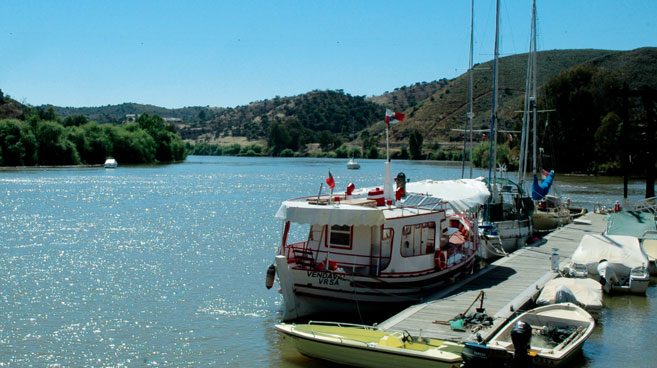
[(509, 284)]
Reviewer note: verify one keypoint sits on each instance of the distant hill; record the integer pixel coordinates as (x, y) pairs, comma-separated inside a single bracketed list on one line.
[(404, 97), (117, 113), (434, 108), (11, 109), (446, 109)]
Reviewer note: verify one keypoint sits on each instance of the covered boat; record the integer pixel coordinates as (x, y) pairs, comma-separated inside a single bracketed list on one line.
[(585, 292), (617, 261), (547, 336), (641, 225), (361, 253), (365, 346)]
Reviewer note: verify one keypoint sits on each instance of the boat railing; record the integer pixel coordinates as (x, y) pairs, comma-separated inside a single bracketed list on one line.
[(647, 205), (326, 334), (313, 259), (342, 324)]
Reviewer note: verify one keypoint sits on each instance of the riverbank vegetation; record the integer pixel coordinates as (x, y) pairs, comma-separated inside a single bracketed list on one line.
[(45, 139)]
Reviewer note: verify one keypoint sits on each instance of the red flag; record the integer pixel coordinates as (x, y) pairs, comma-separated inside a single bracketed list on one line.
[(330, 181), (393, 117)]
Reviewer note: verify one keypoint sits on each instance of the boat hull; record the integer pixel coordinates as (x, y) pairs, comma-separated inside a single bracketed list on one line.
[(500, 348), (546, 221), (511, 236), (342, 349), (307, 293)]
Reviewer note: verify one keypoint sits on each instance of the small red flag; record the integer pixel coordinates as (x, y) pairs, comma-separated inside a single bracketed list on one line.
[(330, 181)]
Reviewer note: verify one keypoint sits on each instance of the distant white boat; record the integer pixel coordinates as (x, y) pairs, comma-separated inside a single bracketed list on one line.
[(353, 164), (111, 163)]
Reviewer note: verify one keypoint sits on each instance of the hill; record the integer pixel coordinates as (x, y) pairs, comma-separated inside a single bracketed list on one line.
[(446, 109), (433, 108)]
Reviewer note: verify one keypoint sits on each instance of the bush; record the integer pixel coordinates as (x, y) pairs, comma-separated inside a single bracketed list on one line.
[(287, 153)]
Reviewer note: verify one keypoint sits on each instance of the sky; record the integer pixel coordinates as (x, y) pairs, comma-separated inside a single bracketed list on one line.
[(229, 53)]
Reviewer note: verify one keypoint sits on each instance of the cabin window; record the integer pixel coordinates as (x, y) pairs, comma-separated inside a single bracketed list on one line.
[(418, 239), (340, 236), (386, 234)]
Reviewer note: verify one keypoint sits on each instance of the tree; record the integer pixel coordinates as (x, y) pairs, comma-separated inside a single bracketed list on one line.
[(581, 97), (415, 144)]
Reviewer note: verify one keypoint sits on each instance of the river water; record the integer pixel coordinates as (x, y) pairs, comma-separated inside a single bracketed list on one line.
[(164, 265)]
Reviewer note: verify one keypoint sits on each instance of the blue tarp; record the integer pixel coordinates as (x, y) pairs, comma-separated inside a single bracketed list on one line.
[(541, 190)]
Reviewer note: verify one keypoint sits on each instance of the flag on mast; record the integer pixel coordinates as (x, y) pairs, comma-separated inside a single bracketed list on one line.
[(329, 181), (393, 117)]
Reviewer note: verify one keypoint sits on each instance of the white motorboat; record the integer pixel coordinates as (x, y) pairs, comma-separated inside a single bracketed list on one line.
[(547, 336), (617, 261), (361, 253), (366, 346), (111, 163), (353, 164)]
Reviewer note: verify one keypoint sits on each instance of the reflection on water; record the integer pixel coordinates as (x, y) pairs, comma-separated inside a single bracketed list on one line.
[(165, 265)]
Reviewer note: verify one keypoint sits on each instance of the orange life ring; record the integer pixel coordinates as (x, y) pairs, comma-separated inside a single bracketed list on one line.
[(440, 259)]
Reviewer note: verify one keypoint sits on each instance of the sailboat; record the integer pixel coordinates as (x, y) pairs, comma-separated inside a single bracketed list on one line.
[(550, 212), (353, 164), (507, 223)]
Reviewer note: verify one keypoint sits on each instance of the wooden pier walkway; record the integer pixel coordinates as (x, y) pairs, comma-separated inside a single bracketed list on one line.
[(509, 284)]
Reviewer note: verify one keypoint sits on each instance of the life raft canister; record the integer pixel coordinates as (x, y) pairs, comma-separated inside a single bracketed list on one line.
[(440, 260), (377, 195), (271, 273)]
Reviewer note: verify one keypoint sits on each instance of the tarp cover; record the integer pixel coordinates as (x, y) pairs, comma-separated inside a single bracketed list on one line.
[(632, 223), (337, 214), (541, 190), (461, 194), (623, 253), (587, 291)]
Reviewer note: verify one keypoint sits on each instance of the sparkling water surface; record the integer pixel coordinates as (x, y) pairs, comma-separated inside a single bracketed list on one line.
[(165, 265)]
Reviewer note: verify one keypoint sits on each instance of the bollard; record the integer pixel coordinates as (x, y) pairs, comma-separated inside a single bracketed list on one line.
[(555, 259)]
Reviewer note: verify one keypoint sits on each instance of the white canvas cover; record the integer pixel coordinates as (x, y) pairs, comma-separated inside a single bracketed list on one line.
[(588, 292), (332, 214), (461, 194), (621, 251)]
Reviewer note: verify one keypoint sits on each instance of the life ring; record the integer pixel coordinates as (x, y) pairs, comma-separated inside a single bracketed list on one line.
[(440, 259)]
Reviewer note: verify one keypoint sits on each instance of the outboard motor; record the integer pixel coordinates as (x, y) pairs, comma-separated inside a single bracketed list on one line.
[(271, 273), (521, 335)]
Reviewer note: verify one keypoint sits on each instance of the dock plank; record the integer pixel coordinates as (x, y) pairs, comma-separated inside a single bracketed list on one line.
[(509, 284)]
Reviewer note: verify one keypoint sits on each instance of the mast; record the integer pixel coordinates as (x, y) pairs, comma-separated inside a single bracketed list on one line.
[(533, 98), (469, 115), (530, 103), (470, 77), (492, 153)]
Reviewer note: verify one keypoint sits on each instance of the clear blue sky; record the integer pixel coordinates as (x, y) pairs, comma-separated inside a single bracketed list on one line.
[(229, 53)]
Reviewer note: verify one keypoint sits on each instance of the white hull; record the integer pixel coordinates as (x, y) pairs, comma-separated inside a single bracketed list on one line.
[(308, 293), (542, 353), (511, 236), (343, 346)]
